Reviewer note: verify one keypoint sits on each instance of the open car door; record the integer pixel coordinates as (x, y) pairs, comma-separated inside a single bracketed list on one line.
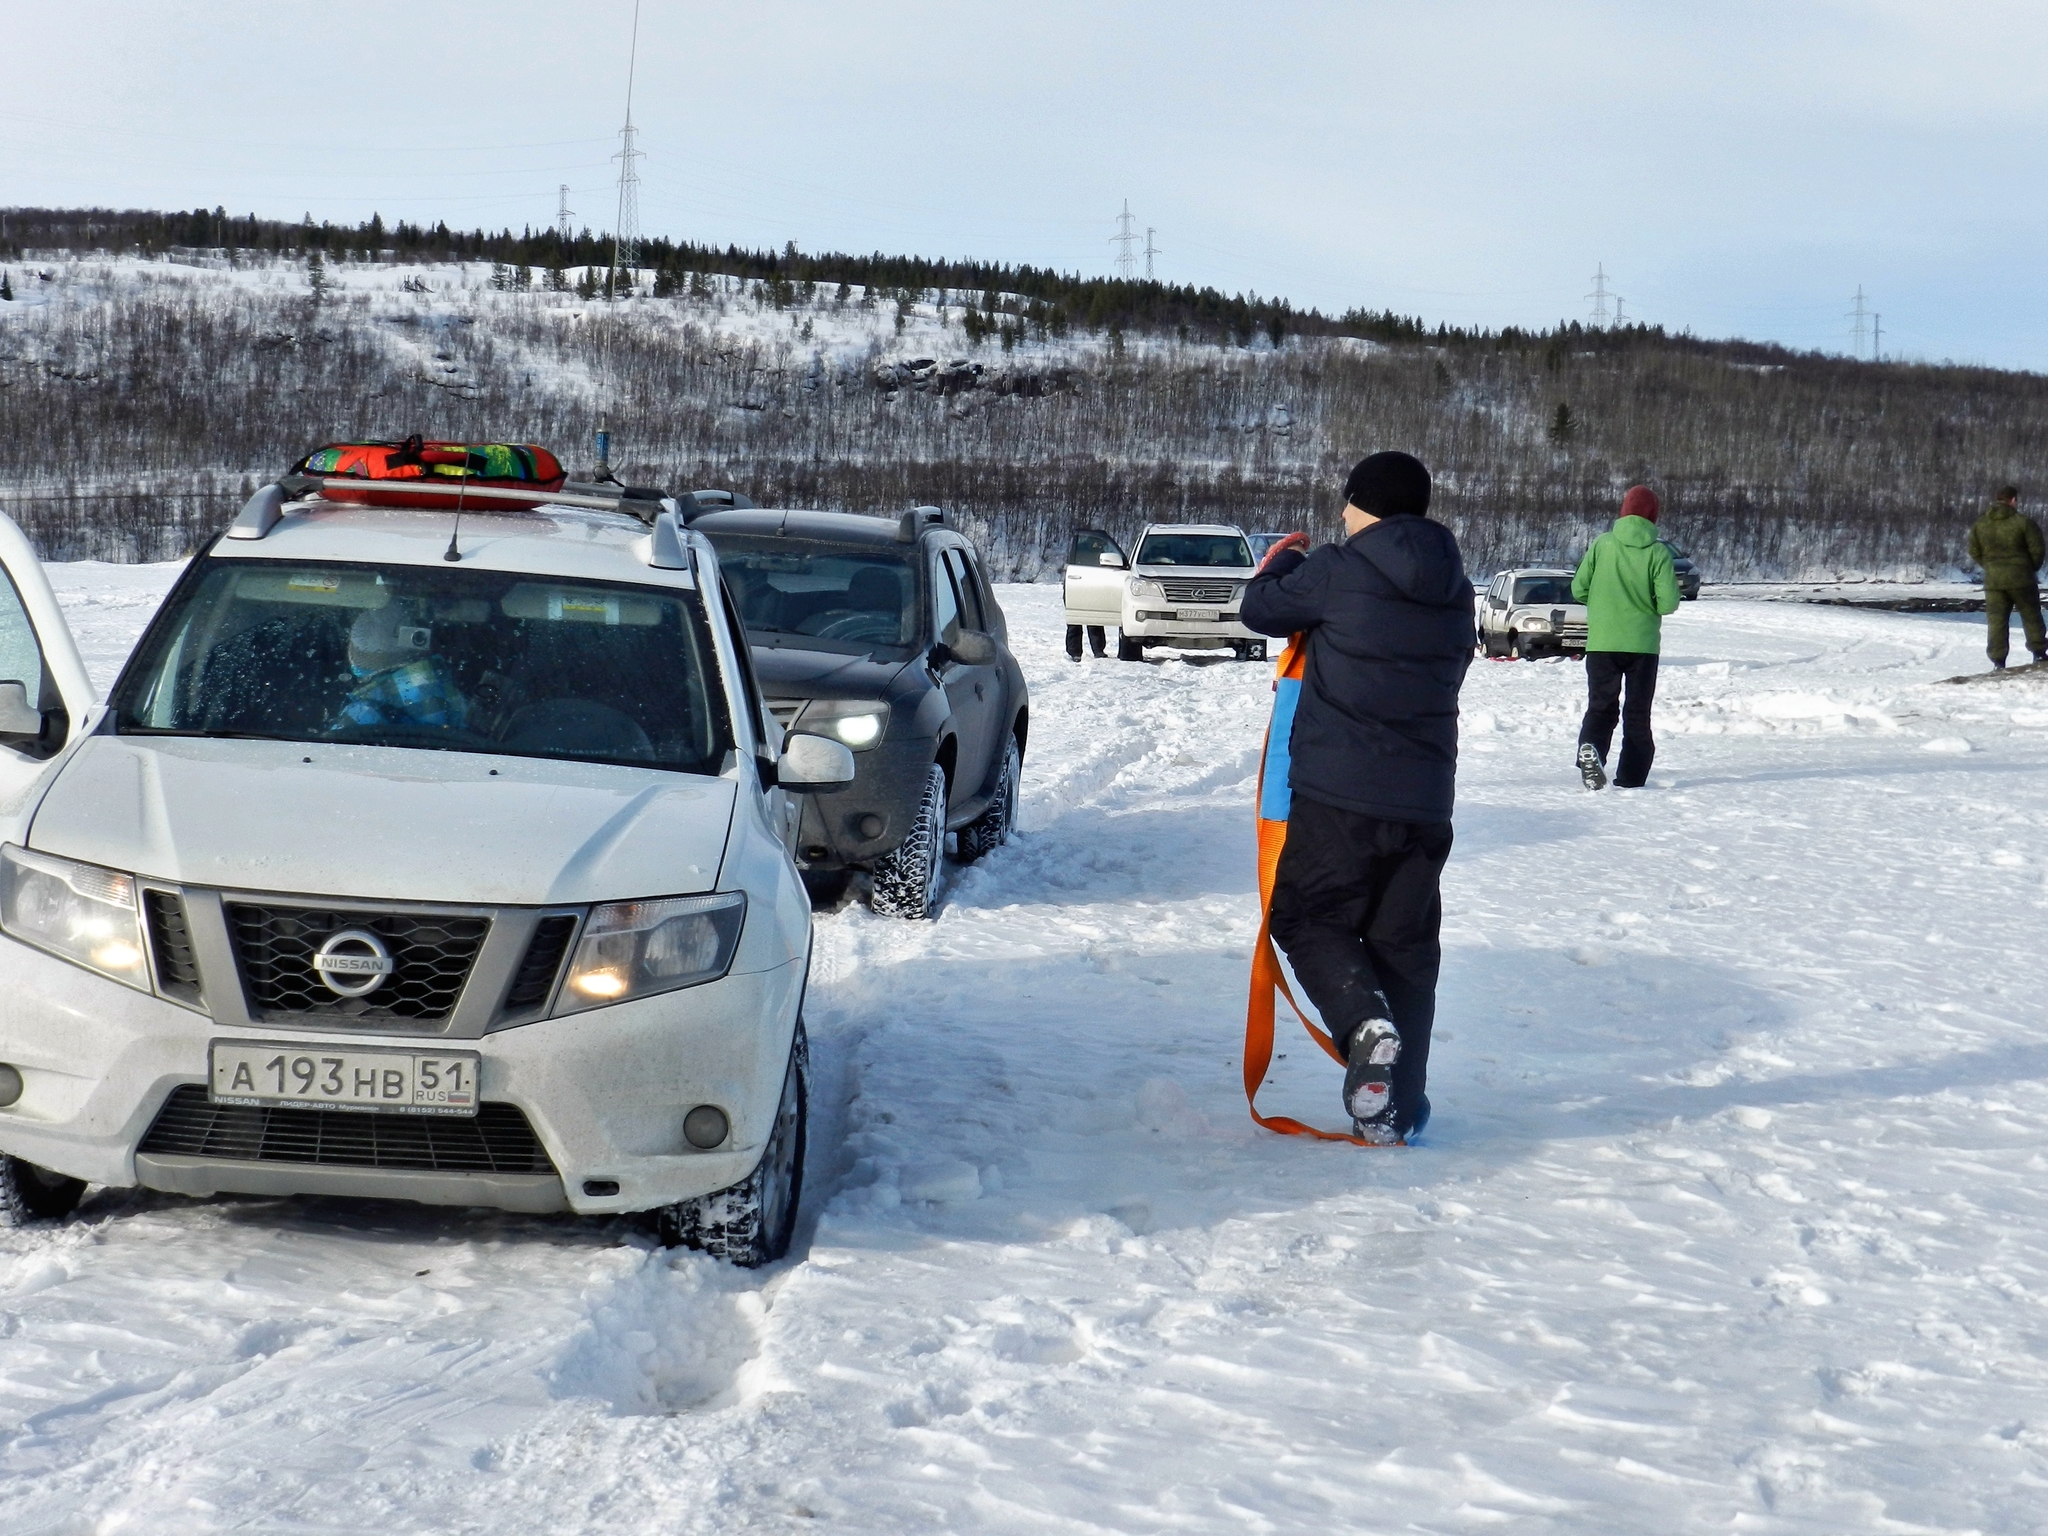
[(1096, 571), (44, 690)]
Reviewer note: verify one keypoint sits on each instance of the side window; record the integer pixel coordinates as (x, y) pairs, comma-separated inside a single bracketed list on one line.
[(1090, 545), (945, 602), (984, 594), (756, 711), (21, 658), (970, 595)]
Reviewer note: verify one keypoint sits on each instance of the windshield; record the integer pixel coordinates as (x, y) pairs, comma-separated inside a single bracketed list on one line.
[(1543, 589), (852, 597), (1194, 549), (409, 656)]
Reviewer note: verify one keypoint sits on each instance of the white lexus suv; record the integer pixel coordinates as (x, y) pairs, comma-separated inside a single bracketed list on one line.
[(451, 870), (1184, 589)]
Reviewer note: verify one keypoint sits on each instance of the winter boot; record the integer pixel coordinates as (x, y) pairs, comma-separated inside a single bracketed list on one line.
[(1369, 1058), (1417, 1120), (1591, 769)]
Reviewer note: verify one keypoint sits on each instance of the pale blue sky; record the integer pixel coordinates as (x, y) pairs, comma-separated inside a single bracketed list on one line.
[(1738, 168)]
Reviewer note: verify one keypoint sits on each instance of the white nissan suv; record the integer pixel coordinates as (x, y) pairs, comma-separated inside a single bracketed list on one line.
[(440, 858)]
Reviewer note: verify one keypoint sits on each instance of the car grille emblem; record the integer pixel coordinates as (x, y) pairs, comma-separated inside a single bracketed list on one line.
[(353, 963)]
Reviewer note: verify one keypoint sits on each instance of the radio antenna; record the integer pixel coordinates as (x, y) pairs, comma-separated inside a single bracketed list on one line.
[(451, 553)]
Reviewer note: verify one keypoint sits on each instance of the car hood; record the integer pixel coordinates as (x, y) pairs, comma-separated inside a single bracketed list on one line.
[(384, 823), (1209, 574), (789, 673), (1545, 610)]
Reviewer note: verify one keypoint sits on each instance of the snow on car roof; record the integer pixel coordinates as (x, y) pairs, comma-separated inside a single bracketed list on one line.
[(548, 541)]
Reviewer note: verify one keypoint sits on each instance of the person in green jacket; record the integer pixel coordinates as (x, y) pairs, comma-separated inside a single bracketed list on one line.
[(2008, 546), (1627, 583)]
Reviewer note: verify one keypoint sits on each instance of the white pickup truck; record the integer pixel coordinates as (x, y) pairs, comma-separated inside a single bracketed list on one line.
[(443, 869)]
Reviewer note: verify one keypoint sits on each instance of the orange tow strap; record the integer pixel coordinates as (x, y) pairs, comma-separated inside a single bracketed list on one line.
[(1267, 976)]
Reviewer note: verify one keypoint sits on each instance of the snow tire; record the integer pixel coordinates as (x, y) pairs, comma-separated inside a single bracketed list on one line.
[(905, 881), (992, 828), (1129, 650), (29, 1193), (751, 1223)]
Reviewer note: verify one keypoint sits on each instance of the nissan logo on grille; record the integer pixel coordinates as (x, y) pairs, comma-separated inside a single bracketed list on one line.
[(353, 963)]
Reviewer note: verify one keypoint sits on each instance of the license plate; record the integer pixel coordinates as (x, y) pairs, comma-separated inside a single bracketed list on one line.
[(1198, 615), (408, 1082)]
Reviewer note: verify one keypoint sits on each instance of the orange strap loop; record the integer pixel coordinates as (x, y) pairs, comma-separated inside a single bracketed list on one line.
[(1267, 976)]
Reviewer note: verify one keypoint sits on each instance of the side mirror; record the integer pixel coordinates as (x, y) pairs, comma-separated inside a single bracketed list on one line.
[(1116, 562), (969, 647), (19, 721), (813, 765)]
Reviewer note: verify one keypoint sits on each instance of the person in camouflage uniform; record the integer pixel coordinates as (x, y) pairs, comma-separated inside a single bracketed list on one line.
[(2008, 546)]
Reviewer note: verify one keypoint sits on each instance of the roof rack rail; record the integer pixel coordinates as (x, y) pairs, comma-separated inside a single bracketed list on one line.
[(694, 502), (642, 502), (916, 520)]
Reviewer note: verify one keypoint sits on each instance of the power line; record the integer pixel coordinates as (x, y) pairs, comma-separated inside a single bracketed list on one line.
[(1124, 238), (1600, 295), (563, 214), (1151, 250)]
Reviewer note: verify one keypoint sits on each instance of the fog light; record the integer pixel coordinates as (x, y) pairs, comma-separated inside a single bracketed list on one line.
[(871, 825), (10, 1086), (600, 1189), (705, 1126)]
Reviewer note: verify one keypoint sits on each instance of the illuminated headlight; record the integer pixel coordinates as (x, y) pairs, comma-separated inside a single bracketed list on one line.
[(859, 723), (637, 948), (80, 911), (1534, 626), (1140, 587)]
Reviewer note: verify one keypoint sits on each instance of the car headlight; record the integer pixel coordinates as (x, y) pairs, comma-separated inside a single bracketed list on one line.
[(1534, 625), (860, 723), (637, 948), (80, 911), (1140, 587)]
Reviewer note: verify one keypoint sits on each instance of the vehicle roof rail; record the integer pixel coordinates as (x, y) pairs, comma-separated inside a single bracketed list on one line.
[(260, 513), (636, 501), (916, 520), (713, 500)]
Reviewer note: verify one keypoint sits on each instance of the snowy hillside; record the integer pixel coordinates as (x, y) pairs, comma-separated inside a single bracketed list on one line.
[(140, 397), (1733, 1217)]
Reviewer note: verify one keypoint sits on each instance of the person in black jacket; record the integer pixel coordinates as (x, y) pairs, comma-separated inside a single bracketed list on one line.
[(1373, 763)]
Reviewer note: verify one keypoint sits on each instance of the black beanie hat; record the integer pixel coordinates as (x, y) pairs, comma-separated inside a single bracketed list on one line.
[(1389, 485)]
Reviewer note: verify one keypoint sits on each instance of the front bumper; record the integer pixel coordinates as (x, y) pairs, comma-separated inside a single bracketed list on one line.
[(605, 1091), (888, 783), (1160, 626)]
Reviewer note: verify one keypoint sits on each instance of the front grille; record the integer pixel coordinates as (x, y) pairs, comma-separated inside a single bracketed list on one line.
[(431, 953), (535, 979), (498, 1140), (1210, 594), (170, 939)]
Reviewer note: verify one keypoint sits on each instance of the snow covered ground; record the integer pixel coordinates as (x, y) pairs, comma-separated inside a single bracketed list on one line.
[(1734, 1215)]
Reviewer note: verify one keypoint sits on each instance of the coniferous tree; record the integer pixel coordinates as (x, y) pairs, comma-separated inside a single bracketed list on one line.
[(1564, 426), (6, 289)]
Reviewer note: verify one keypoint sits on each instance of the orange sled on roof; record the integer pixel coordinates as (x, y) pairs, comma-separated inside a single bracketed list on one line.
[(416, 473)]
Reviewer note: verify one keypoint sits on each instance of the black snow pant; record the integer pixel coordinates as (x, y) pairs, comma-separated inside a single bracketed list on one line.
[(1095, 640), (1606, 671), (1999, 606), (1356, 910)]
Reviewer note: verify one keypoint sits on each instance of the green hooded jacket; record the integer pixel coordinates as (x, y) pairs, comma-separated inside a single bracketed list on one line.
[(2008, 546), (1627, 584)]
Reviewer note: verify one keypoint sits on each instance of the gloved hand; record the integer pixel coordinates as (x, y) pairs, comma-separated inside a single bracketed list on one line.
[(1292, 541)]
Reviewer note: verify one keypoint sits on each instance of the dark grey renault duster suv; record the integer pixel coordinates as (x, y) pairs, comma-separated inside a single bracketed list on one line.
[(884, 634)]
